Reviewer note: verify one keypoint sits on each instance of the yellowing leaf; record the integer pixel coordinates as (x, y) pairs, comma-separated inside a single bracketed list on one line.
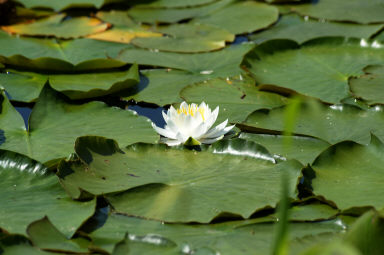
[(60, 27)]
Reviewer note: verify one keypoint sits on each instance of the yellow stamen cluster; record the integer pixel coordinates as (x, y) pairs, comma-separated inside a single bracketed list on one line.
[(191, 110)]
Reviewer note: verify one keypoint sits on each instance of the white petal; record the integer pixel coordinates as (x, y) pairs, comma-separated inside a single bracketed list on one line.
[(164, 132), (220, 132), (165, 116), (219, 127), (211, 119)]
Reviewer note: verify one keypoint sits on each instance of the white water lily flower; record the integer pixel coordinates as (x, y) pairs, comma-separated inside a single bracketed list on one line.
[(191, 124)]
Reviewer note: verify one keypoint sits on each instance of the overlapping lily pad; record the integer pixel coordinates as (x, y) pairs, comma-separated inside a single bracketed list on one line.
[(26, 86), (369, 87), (237, 97), (350, 175), (221, 63), (333, 124), (301, 30), (360, 11), (55, 123), (124, 28), (59, 27), (49, 54), (242, 17), (172, 15), (29, 191), (175, 3), (171, 184), (304, 149), (187, 38), (59, 5), (325, 65), (223, 238)]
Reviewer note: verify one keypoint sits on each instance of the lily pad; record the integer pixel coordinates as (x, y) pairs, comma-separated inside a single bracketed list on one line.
[(59, 27), (60, 5), (370, 86), (186, 38), (222, 63), (242, 17), (325, 65), (223, 238), (45, 236), (49, 54), (169, 184), (154, 82), (332, 124), (299, 29), (175, 3), (29, 191), (26, 86), (124, 28), (350, 175), (359, 11), (173, 15), (303, 149), (55, 123), (237, 97)]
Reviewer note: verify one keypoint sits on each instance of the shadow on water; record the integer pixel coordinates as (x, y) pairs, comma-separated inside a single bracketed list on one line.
[(154, 114), (24, 109)]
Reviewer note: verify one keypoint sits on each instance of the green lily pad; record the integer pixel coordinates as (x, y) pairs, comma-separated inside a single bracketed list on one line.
[(49, 54), (169, 184), (365, 234), (59, 27), (303, 149), (325, 65), (242, 17), (186, 38), (29, 191), (173, 15), (127, 247), (60, 5), (154, 82), (331, 248), (222, 63), (359, 11), (26, 86), (223, 238), (350, 175), (55, 124), (299, 29), (237, 97), (370, 86), (332, 124), (45, 236), (124, 28), (175, 3)]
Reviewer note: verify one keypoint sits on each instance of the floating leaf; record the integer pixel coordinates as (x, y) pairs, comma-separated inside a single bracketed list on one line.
[(124, 28), (301, 30), (45, 236), (187, 38), (55, 123), (370, 86), (242, 17), (333, 124), (366, 234), (154, 82), (60, 27), (222, 63), (303, 149), (332, 248), (60, 5), (173, 15), (29, 191), (237, 97), (325, 65), (49, 54), (224, 238), (175, 3), (350, 175), (26, 86), (359, 11), (170, 184)]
